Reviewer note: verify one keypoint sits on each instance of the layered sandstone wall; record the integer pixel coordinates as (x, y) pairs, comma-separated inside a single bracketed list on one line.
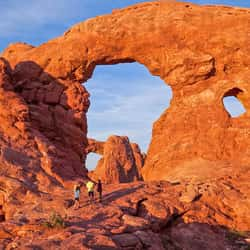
[(202, 52)]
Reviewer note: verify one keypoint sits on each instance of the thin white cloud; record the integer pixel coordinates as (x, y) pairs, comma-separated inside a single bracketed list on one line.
[(23, 16), (143, 101), (130, 109)]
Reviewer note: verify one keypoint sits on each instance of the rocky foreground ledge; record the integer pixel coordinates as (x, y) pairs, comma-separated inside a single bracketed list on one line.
[(142, 215)]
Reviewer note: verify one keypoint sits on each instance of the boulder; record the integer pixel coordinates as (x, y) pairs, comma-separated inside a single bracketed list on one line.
[(190, 194), (128, 241), (135, 223)]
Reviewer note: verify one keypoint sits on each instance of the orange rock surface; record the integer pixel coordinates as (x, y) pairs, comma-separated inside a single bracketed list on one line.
[(138, 215), (201, 52), (122, 161), (201, 153)]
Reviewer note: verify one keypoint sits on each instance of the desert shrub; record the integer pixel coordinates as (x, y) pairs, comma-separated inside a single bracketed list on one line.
[(54, 221), (238, 237)]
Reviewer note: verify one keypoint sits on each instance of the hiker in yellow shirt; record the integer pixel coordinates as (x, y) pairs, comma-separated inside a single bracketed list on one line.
[(90, 187)]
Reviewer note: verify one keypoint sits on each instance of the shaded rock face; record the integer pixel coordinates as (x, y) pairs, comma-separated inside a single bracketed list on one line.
[(122, 161), (201, 52), (40, 135)]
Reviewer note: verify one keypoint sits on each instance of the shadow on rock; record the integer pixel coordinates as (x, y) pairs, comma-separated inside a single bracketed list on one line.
[(107, 198)]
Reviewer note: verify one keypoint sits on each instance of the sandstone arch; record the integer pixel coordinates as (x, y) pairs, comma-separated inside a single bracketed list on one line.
[(199, 51)]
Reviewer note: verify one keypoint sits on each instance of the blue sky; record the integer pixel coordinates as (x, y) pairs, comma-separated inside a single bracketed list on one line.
[(125, 98)]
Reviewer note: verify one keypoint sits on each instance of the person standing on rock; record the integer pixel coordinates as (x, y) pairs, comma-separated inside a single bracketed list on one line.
[(77, 188), (90, 187), (99, 190)]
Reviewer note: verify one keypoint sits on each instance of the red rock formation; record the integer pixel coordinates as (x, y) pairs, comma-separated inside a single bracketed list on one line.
[(138, 216), (95, 146), (201, 52), (122, 161), (55, 130), (139, 158)]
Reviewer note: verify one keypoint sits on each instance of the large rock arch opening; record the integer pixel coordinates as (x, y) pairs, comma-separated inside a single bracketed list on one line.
[(125, 94), (125, 100), (47, 80)]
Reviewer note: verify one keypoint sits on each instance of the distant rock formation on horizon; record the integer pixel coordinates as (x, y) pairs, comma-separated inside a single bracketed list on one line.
[(121, 160)]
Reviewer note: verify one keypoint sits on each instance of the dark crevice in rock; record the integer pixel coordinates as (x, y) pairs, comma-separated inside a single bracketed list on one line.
[(211, 73), (197, 197), (173, 219), (138, 206)]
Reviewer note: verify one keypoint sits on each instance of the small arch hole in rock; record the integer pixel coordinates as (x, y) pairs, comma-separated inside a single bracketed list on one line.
[(92, 160), (232, 103), (125, 100)]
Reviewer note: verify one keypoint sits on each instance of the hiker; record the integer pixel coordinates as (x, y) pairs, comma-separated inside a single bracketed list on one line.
[(77, 188), (90, 187), (99, 189), (2, 214)]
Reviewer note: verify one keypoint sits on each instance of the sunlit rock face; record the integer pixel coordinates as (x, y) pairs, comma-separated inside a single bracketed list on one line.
[(201, 52), (121, 160)]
